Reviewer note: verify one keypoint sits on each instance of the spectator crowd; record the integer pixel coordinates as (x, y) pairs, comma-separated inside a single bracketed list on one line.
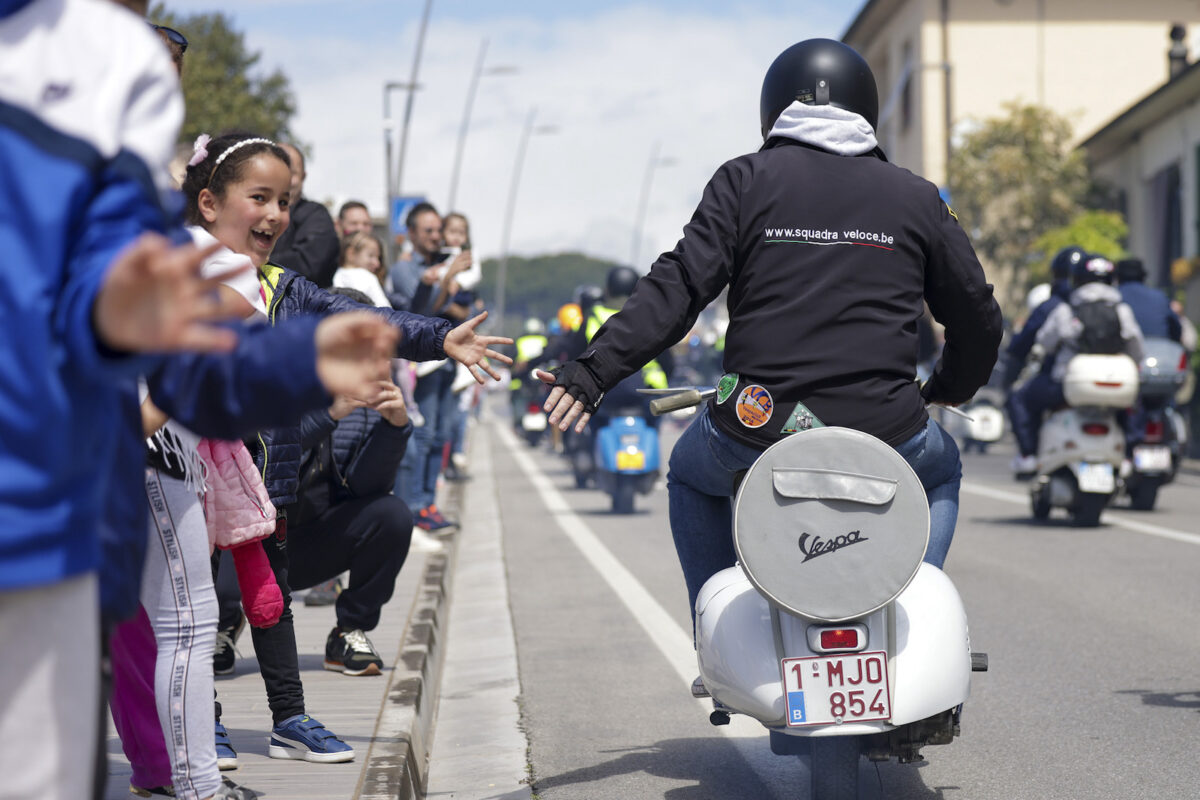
[(212, 393)]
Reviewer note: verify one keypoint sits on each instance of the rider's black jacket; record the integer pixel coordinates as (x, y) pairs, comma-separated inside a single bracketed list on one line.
[(827, 259)]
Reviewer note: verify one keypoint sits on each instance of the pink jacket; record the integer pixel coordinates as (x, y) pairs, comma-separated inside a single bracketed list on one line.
[(236, 502)]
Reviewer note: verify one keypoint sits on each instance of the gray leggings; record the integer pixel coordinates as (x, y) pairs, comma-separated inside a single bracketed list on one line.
[(177, 593)]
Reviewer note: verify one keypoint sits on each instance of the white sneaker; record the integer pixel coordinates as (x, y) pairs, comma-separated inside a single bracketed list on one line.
[(422, 542), (1025, 465)]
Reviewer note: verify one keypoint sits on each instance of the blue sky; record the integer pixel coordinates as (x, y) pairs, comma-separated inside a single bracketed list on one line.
[(612, 80)]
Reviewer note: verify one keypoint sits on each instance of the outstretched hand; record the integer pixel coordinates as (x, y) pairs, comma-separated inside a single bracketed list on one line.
[(561, 405), (354, 354), (153, 300), (471, 350)]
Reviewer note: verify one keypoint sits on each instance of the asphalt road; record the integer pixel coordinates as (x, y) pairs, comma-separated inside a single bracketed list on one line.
[(1093, 691)]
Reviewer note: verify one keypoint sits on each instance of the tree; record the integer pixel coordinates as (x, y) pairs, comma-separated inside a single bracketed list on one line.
[(220, 87), (1102, 233), (1016, 178), (539, 285)]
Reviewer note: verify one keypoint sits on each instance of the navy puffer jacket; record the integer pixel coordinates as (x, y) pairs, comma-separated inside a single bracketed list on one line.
[(277, 452)]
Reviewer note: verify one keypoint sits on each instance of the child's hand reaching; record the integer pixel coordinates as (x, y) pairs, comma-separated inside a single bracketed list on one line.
[(472, 350), (354, 352), (153, 299)]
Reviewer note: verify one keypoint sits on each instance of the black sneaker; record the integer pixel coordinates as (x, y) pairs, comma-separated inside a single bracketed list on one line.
[(225, 654), (351, 653), (323, 594)]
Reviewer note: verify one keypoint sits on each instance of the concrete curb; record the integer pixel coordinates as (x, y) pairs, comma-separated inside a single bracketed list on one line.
[(397, 765)]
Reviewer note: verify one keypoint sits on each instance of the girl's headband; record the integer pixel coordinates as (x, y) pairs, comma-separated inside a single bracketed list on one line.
[(229, 150)]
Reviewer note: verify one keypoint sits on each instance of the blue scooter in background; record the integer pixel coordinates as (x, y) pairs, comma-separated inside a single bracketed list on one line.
[(626, 458)]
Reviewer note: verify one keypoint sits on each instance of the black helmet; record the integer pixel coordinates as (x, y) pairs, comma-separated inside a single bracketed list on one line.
[(818, 72), (1092, 269), (1130, 269), (588, 296), (1062, 267), (621, 281)]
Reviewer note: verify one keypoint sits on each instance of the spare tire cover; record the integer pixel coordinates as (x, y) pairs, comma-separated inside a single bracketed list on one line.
[(830, 524)]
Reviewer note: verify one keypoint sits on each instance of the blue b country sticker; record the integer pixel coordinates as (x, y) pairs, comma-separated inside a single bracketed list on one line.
[(754, 406), (725, 387)]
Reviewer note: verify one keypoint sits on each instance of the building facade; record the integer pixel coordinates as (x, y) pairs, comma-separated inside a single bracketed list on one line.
[(943, 66)]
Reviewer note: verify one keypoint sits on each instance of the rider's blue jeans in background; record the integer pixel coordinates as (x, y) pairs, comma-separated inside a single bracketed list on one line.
[(700, 486)]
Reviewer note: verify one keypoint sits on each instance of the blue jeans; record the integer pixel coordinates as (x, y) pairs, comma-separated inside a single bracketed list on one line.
[(1027, 406), (416, 481), (700, 487)]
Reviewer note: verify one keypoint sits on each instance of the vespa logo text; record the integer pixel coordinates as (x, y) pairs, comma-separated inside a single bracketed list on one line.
[(813, 546)]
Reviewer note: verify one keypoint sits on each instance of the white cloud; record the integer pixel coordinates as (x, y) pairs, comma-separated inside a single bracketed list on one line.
[(612, 85)]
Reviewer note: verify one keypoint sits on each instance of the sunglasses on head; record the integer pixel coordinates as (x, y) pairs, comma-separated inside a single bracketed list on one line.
[(175, 36)]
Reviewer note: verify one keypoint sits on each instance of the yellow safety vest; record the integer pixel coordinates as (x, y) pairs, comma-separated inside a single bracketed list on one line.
[(652, 374)]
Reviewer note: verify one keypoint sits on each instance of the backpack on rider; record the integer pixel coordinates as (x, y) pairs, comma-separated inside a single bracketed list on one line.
[(1100, 326)]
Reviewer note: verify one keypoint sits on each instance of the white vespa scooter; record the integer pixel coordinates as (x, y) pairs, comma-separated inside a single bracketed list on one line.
[(831, 631), (1081, 447)]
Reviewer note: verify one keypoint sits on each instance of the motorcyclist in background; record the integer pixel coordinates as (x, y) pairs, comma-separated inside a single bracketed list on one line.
[(1065, 334), (1025, 465), (818, 334), (1151, 307), (530, 346)]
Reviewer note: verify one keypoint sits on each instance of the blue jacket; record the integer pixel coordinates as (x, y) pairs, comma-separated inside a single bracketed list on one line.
[(277, 451), (1152, 310), (1018, 349), (79, 180), (354, 457)]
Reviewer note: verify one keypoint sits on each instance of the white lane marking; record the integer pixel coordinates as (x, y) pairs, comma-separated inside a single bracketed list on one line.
[(1107, 517), (672, 641)]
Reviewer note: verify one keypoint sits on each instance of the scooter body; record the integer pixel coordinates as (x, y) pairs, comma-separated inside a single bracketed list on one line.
[(831, 631), (1081, 447), (626, 458), (1155, 442)]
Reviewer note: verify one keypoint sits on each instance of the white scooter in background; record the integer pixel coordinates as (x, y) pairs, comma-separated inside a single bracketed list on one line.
[(1081, 447), (831, 631)]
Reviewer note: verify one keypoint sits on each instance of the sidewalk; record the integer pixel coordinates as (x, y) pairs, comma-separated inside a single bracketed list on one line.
[(387, 719)]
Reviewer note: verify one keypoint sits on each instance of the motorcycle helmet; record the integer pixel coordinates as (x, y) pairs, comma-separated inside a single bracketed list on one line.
[(534, 327), (620, 281), (1092, 269), (818, 72), (1130, 269), (1064, 261), (588, 296), (570, 316), (554, 327)]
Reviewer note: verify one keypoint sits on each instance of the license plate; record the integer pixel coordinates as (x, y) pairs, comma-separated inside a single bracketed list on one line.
[(1154, 458), (533, 422), (834, 689), (627, 460), (1096, 478)]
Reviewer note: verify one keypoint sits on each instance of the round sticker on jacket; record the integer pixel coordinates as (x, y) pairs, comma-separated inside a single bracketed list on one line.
[(754, 406)]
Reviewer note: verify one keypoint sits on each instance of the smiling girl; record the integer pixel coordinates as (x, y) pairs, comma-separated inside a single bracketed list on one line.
[(238, 192)]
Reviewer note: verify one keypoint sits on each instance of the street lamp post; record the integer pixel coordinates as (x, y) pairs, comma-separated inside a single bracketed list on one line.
[(654, 163), (389, 126), (466, 120), (502, 272), (412, 89)]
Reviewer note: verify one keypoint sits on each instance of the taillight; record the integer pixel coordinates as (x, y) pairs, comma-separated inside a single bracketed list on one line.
[(1183, 361), (534, 408), (1109, 384), (1154, 431), (847, 638), (839, 639), (1095, 429)]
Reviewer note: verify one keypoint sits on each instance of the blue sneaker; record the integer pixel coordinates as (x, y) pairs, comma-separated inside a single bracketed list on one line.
[(302, 737), (226, 755)]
